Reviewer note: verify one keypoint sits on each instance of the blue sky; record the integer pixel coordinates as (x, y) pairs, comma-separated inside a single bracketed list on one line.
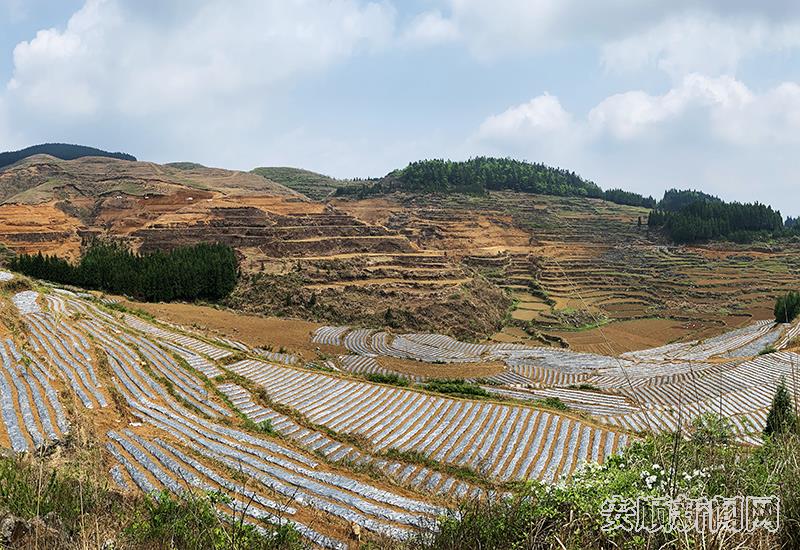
[(639, 94)]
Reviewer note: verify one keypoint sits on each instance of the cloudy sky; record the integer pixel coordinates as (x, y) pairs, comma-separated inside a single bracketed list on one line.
[(639, 94)]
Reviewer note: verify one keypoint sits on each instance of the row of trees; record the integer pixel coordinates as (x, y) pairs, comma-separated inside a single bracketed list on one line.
[(705, 220), (629, 198), (202, 271), (787, 307), (481, 174)]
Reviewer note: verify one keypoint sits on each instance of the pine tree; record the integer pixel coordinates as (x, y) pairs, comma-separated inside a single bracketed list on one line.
[(202, 271), (781, 417)]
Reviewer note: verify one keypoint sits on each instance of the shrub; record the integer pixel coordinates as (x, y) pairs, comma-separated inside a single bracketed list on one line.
[(711, 429), (456, 386), (552, 403), (380, 378), (569, 514)]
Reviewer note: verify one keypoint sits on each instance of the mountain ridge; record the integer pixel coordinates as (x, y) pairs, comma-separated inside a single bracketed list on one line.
[(63, 151)]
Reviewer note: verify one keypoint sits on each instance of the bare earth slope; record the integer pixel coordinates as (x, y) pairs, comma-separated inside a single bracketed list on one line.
[(517, 266)]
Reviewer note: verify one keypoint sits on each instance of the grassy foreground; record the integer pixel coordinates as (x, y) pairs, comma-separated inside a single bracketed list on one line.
[(64, 503), (570, 514), (71, 506)]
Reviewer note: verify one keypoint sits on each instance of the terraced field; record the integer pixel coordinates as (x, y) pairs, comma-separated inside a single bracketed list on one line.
[(571, 264), (162, 400), (735, 373), (518, 266), (484, 437), (323, 448)]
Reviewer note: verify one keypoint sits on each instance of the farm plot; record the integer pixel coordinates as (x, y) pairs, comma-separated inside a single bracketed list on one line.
[(742, 342), (31, 413), (295, 477), (188, 437), (54, 342), (655, 389), (181, 340), (419, 477), (366, 364), (595, 403), (501, 441), (741, 391), (430, 348), (193, 450)]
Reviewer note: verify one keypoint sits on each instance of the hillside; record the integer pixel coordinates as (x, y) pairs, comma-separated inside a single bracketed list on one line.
[(41, 178), (62, 151), (308, 436), (512, 265), (312, 185), (382, 361), (482, 174)]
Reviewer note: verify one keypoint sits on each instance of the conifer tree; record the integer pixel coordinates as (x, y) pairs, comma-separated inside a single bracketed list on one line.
[(781, 418)]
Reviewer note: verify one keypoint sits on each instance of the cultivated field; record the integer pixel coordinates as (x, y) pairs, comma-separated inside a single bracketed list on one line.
[(302, 437)]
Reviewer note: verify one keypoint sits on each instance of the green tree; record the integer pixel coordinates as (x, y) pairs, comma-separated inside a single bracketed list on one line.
[(787, 307), (781, 418), (203, 271)]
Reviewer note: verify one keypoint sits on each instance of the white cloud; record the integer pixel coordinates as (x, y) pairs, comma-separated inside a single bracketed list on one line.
[(707, 132), (720, 109), (680, 36), (635, 114), (541, 116), (540, 129), (705, 43), (429, 28), (114, 56)]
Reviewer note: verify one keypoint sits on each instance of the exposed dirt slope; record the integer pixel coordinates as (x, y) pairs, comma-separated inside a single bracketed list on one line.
[(42, 178), (452, 264)]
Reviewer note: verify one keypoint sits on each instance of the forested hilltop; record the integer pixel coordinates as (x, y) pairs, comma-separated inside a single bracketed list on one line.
[(481, 174), (693, 216), (64, 151)]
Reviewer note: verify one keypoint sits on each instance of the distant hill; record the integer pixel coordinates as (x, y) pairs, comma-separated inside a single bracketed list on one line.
[(42, 178), (184, 165), (311, 184), (481, 174), (63, 151)]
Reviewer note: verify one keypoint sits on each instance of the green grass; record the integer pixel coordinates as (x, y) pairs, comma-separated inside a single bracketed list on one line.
[(553, 403), (73, 506), (313, 185), (191, 522)]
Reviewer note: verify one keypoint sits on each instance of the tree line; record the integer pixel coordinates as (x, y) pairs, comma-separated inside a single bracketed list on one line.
[(201, 271), (64, 151), (481, 174), (704, 220)]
